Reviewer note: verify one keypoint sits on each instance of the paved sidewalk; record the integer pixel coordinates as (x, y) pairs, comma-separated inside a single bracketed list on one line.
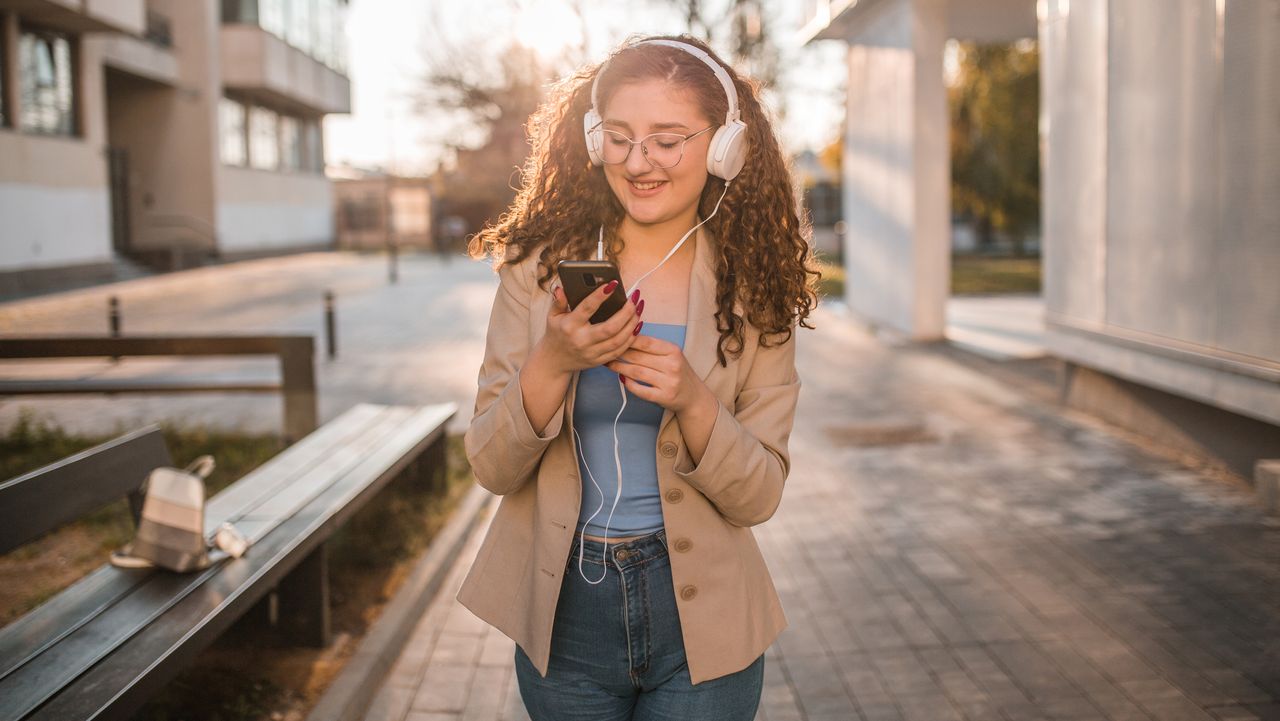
[(1000, 327), (948, 548)]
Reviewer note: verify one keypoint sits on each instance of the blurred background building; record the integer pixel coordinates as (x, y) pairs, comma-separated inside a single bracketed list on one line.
[(164, 131), (374, 210), (1160, 152)]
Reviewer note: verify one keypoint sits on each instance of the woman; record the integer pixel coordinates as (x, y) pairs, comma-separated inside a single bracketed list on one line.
[(664, 609)]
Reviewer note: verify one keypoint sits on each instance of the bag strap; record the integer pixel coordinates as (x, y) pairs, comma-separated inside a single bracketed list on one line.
[(201, 466)]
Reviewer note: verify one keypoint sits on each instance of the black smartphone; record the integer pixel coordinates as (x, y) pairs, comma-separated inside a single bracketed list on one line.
[(580, 278)]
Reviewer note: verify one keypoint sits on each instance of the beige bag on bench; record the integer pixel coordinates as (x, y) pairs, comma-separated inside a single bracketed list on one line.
[(171, 531)]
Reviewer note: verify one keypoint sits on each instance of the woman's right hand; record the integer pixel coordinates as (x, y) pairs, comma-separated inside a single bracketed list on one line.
[(575, 343)]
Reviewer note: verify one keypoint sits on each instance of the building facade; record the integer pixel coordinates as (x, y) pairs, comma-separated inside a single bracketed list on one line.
[(164, 130), (1161, 170), (375, 211)]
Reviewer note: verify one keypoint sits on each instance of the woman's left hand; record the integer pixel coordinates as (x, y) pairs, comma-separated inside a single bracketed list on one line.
[(661, 364)]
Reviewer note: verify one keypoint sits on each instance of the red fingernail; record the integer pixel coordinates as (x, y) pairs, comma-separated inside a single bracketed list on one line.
[(635, 295), (609, 288), (640, 308), (637, 330)]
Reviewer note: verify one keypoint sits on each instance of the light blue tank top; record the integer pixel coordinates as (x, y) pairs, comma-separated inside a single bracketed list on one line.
[(596, 404)]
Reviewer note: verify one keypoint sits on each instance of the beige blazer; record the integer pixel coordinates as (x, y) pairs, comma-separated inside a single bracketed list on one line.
[(729, 609)]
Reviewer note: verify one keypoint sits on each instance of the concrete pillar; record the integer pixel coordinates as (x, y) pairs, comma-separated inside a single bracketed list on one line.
[(897, 196)]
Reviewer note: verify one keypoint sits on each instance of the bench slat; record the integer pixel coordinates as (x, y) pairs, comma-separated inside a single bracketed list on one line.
[(290, 464), (78, 485), (103, 587), (119, 685), (285, 500)]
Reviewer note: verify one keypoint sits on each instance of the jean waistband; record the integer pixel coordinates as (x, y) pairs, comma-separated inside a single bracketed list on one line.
[(621, 554)]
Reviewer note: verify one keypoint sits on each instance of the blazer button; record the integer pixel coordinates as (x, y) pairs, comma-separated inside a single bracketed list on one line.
[(688, 592), (683, 544), (668, 449), (675, 495)]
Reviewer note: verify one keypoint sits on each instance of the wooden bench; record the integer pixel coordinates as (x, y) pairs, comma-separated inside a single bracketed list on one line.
[(108, 642)]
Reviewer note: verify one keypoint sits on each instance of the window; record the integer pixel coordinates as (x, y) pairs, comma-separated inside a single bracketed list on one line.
[(314, 146), (264, 138), (271, 16), (4, 109), (362, 213), (290, 143), (299, 29), (47, 82), (316, 27), (231, 128), (240, 11)]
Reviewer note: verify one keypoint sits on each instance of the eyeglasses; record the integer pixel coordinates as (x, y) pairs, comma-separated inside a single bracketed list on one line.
[(662, 150)]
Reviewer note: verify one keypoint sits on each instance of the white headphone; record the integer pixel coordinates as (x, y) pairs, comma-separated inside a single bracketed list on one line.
[(728, 149)]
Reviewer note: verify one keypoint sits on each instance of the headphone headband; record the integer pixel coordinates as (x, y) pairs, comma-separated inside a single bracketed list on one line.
[(725, 81), (727, 150)]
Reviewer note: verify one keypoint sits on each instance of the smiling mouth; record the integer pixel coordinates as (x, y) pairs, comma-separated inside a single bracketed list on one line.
[(646, 186)]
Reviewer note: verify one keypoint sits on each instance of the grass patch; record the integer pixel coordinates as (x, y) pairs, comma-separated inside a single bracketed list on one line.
[(969, 275), (831, 285), (980, 274)]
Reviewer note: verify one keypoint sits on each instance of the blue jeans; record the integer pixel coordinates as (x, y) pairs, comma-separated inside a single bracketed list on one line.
[(616, 648)]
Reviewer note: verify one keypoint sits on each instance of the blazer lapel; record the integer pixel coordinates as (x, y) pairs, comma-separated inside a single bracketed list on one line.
[(700, 327)]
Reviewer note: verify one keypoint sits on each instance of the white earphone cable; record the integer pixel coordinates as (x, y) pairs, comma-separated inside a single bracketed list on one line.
[(617, 462)]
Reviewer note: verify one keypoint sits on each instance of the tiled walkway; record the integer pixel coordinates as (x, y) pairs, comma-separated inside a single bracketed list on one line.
[(948, 548)]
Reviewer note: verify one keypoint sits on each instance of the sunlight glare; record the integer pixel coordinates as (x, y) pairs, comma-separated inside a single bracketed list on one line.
[(548, 27)]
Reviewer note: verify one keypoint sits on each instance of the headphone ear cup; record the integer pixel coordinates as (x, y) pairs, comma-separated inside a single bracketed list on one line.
[(594, 136), (728, 150)]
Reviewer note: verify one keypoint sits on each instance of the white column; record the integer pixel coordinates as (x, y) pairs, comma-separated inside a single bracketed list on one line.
[(897, 198)]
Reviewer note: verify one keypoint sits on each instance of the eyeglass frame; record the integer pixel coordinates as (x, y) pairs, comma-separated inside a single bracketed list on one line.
[(640, 142)]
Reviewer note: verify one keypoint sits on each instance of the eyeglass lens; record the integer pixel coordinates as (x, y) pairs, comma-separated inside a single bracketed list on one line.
[(663, 150)]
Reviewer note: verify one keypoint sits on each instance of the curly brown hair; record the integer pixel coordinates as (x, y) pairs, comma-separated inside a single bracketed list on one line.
[(764, 259)]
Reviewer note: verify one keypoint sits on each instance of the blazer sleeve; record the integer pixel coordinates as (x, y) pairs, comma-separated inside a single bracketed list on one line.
[(746, 462), (503, 447)]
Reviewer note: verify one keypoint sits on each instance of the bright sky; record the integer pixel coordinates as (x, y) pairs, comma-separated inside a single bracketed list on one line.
[(388, 48)]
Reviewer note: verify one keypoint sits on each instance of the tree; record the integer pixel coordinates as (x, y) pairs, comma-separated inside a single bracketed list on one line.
[(995, 140), (747, 34), (479, 112)]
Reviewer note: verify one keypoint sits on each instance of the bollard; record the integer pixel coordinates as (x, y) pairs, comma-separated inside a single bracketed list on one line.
[(113, 320), (330, 335), (113, 315), (840, 229), (393, 258)]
